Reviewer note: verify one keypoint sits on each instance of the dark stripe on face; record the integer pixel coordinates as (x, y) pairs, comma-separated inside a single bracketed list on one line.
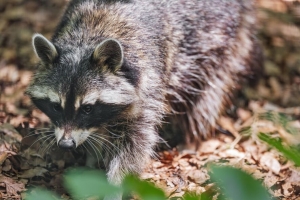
[(69, 109), (50, 109), (100, 113)]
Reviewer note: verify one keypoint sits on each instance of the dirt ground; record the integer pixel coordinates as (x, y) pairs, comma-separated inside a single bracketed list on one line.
[(27, 157)]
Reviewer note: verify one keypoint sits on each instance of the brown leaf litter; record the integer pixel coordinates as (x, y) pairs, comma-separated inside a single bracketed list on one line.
[(33, 162)]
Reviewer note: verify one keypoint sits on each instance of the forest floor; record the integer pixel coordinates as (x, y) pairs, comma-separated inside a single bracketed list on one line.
[(27, 160)]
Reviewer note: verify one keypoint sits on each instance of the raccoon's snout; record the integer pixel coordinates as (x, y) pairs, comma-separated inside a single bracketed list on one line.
[(67, 143)]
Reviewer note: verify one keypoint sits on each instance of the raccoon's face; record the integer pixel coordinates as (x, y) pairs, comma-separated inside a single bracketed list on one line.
[(81, 91)]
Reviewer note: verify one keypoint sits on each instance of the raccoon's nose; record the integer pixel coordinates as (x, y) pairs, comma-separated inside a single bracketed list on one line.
[(66, 143)]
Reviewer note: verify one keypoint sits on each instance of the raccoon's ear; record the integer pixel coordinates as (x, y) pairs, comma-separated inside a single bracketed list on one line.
[(109, 53), (43, 48)]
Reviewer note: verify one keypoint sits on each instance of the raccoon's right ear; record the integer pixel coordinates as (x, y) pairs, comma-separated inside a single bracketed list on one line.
[(109, 53), (43, 48)]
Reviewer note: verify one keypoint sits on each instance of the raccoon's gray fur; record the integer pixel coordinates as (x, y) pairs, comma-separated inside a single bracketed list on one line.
[(114, 69)]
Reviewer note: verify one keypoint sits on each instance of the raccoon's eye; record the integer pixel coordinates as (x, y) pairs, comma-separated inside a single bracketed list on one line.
[(56, 107), (87, 108)]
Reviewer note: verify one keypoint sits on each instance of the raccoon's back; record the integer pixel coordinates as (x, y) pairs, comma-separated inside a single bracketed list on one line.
[(212, 48)]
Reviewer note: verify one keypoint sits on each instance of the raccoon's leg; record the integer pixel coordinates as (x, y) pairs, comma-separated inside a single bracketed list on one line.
[(133, 154), (206, 85), (196, 113), (202, 114)]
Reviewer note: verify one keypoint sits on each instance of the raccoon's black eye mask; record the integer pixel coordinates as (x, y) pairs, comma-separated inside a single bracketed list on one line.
[(86, 116), (52, 110), (94, 115)]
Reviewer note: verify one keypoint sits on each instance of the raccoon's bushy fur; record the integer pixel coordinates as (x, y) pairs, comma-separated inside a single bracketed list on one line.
[(176, 58)]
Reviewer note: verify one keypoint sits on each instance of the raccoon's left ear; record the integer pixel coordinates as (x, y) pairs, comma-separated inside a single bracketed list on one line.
[(43, 48), (109, 53)]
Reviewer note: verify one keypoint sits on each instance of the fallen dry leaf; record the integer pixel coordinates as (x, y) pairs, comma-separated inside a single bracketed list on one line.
[(10, 131), (228, 124), (11, 185), (294, 176), (209, 146), (243, 114), (198, 176), (3, 156), (268, 160)]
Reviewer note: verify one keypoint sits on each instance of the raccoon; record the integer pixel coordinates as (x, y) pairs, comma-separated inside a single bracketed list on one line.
[(115, 69)]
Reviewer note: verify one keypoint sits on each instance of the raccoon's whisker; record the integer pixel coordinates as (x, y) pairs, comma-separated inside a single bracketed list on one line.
[(87, 149), (102, 138), (105, 146), (108, 149), (39, 129), (116, 124), (52, 142), (32, 133), (39, 139), (116, 135), (42, 147), (48, 146), (95, 149), (36, 134)]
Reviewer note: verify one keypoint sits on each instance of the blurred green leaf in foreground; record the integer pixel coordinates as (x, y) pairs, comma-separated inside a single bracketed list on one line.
[(39, 193), (237, 184), (83, 183)]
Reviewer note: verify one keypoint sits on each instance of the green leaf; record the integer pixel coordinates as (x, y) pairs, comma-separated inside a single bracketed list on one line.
[(143, 189), (290, 153), (236, 184), (192, 196), (83, 183), (39, 193)]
